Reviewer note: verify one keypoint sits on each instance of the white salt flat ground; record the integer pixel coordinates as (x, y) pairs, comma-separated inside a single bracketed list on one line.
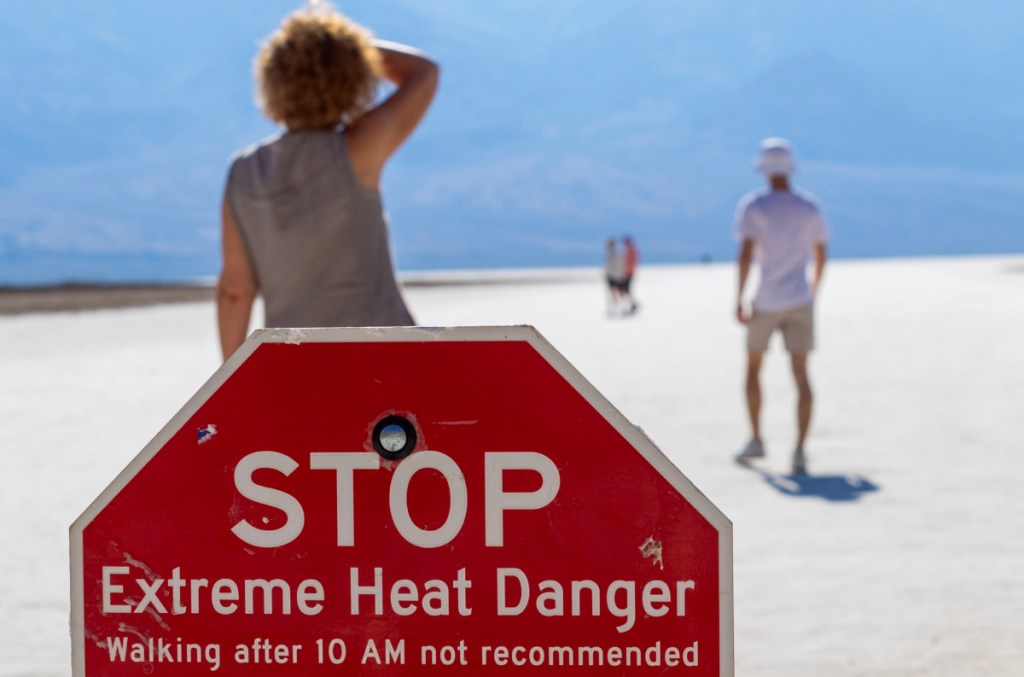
[(902, 553)]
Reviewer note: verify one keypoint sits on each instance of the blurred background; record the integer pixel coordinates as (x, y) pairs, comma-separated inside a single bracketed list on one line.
[(557, 123)]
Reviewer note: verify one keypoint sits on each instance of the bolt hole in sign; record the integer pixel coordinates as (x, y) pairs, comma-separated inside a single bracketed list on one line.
[(402, 501)]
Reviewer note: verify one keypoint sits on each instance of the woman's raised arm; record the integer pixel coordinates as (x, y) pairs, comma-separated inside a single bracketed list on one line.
[(378, 133)]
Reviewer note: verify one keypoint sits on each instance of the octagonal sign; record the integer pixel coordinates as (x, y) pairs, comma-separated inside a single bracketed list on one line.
[(401, 501)]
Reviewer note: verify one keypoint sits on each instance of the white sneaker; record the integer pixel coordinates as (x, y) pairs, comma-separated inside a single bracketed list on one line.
[(753, 450), (799, 462)]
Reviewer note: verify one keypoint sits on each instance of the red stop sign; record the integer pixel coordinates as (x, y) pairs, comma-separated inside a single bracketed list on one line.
[(402, 501)]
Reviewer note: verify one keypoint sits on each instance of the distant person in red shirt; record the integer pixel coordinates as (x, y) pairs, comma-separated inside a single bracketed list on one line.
[(630, 259)]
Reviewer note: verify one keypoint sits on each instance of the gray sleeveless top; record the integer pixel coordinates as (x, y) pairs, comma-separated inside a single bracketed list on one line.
[(316, 237)]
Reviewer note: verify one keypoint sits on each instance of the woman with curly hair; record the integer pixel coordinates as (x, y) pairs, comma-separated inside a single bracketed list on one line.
[(302, 219)]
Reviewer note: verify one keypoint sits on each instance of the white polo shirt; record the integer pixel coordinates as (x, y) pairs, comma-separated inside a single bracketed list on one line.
[(785, 226)]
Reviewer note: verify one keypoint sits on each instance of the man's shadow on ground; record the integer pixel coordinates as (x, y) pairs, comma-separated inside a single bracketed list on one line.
[(838, 488)]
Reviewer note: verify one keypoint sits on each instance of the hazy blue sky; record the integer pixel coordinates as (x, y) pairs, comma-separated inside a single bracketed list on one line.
[(557, 123)]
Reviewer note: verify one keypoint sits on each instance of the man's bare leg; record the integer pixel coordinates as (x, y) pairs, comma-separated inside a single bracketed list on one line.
[(753, 390), (805, 404), (755, 447)]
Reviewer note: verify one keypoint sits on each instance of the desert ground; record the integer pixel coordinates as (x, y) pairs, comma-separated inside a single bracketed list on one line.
[(900, 553)]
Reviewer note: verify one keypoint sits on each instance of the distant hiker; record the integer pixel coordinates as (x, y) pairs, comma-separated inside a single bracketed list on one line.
[(302, 219), (783, 230), (613, 274), (630, 259)]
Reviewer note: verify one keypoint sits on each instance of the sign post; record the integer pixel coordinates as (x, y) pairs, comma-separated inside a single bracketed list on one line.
[(401, 501)]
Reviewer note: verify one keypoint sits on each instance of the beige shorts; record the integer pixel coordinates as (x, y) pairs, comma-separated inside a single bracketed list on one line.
[(796, 325)]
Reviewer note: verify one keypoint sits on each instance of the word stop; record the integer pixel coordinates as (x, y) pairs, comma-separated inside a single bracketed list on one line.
[(345, 465)]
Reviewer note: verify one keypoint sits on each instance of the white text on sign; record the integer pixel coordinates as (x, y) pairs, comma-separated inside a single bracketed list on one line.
[(345, 465), (372, 593)]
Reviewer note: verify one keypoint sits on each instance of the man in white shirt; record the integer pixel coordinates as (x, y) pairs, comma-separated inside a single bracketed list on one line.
[(781, 228)]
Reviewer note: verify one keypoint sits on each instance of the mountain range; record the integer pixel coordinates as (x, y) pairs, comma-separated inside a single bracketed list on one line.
[(557, 124)]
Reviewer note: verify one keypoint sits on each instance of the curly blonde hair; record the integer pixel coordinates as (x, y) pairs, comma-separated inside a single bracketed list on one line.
[(317, 71)]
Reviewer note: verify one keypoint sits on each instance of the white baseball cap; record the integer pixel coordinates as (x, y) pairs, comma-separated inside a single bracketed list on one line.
[(776, 157)]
